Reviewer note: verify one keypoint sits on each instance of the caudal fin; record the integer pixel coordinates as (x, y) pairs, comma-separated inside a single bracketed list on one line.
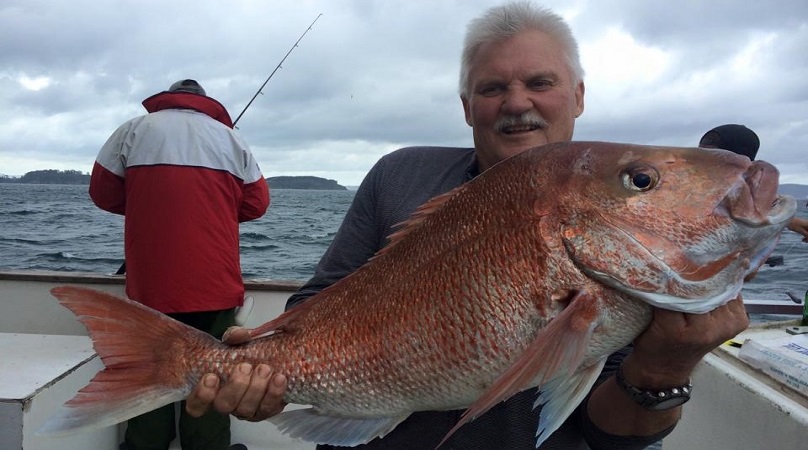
[(139, 348)]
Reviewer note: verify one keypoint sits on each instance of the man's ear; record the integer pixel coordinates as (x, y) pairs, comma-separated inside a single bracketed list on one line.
[(466, 110), (579, 99)]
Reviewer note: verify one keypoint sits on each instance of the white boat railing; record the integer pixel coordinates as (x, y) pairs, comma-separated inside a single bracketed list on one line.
[(29, 307)]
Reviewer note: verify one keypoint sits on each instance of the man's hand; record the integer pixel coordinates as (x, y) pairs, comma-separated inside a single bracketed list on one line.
[(248, 394), (799, 225), (664, 356), (666, 353)]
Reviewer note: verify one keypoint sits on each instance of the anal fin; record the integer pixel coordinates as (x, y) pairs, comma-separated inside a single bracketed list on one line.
[(311, 426)]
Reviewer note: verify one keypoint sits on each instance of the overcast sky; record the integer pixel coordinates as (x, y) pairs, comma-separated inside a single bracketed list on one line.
[(373, 76)]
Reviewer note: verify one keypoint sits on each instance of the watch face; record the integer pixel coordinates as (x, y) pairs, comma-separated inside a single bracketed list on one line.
[(669, 403)]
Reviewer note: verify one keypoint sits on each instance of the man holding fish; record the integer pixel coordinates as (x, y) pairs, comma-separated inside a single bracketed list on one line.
[(519, 89)]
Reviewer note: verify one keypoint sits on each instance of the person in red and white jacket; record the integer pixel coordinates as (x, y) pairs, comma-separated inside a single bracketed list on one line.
[(184, 180)]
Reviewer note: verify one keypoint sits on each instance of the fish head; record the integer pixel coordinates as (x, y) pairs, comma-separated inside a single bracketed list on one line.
[(679, 228)]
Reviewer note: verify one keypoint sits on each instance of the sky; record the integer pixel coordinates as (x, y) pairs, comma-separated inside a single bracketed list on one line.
[(374, 76)]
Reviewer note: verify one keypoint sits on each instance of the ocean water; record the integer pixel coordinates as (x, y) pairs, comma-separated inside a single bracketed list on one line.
[(57, 227)]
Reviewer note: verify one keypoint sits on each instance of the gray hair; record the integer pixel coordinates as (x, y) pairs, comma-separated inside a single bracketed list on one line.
[(505, 21)]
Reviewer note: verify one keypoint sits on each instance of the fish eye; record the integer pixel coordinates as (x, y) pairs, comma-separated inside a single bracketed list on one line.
[(640, 179)]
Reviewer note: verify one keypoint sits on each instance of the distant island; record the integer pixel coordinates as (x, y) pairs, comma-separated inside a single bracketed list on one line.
[(49, 176), (798, 191), (76, 177), (304, 182)]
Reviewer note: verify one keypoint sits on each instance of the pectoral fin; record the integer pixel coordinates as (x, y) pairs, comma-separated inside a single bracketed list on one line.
[(556, 351), (560, 396)]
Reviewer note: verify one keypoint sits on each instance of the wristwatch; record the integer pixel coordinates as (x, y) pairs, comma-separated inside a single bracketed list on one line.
[(654, 400)]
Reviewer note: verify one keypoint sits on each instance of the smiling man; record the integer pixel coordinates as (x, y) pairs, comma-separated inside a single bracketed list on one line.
[(519, 92)]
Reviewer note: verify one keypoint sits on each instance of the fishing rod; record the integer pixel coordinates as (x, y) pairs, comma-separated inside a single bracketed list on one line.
[(275, 70)]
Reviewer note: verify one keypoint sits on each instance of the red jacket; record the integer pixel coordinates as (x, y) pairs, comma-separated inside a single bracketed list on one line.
[(184, 180)]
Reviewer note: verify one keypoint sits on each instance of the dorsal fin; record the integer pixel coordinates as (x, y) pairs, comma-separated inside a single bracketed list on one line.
[(417, 218)]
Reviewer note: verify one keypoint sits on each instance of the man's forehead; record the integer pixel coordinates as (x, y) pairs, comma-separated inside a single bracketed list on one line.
[(530, 50)]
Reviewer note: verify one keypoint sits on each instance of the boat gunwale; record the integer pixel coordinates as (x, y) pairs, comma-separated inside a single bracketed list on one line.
[(53, 276)]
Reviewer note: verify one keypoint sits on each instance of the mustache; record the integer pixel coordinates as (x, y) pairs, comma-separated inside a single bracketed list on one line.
[(529, 118)]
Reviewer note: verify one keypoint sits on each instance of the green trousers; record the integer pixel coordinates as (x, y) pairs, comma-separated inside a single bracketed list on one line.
[(155, 430)]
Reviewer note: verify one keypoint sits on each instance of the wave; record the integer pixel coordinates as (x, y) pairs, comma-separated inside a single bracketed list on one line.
[(57, 256), (31, 241), (259, 247), (23, 212), (79, 259), (253, 236)]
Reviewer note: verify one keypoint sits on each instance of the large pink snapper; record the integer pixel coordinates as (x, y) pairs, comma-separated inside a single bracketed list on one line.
[(530, 275)]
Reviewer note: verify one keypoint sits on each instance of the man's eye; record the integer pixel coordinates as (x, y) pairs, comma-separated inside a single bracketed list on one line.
[(540, 84), (490, 91)]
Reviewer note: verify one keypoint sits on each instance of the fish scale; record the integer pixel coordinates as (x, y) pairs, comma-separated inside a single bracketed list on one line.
[(530, 274)]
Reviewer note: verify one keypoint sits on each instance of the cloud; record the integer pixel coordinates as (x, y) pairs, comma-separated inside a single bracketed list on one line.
[(370, 77)]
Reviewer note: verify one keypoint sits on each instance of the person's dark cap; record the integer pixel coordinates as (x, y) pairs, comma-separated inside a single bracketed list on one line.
[(187, 86), (732, 137)]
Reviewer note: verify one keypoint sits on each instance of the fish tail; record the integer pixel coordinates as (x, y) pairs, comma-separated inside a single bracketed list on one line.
[(141, 351)]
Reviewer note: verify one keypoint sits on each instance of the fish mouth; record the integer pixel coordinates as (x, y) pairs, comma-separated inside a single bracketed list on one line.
[(754, 201), (782, 210)]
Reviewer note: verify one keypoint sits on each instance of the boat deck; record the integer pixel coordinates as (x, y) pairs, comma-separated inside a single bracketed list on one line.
[(736, 406)]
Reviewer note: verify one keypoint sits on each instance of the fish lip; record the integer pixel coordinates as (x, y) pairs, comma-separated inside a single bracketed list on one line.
[(783, 209), (753, 200)]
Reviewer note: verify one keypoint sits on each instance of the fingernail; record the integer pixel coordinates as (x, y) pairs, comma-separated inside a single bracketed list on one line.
[(263, 371), (279, 379), (245, 368), (227, 334), (210, 381)]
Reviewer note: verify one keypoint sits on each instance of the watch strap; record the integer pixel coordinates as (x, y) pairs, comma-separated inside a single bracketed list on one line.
[(656, 399)]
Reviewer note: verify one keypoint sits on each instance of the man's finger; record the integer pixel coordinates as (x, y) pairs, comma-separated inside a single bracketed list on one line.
[(250, 403), (200, 400), (230, 394), (236, 335), (272, 403)]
